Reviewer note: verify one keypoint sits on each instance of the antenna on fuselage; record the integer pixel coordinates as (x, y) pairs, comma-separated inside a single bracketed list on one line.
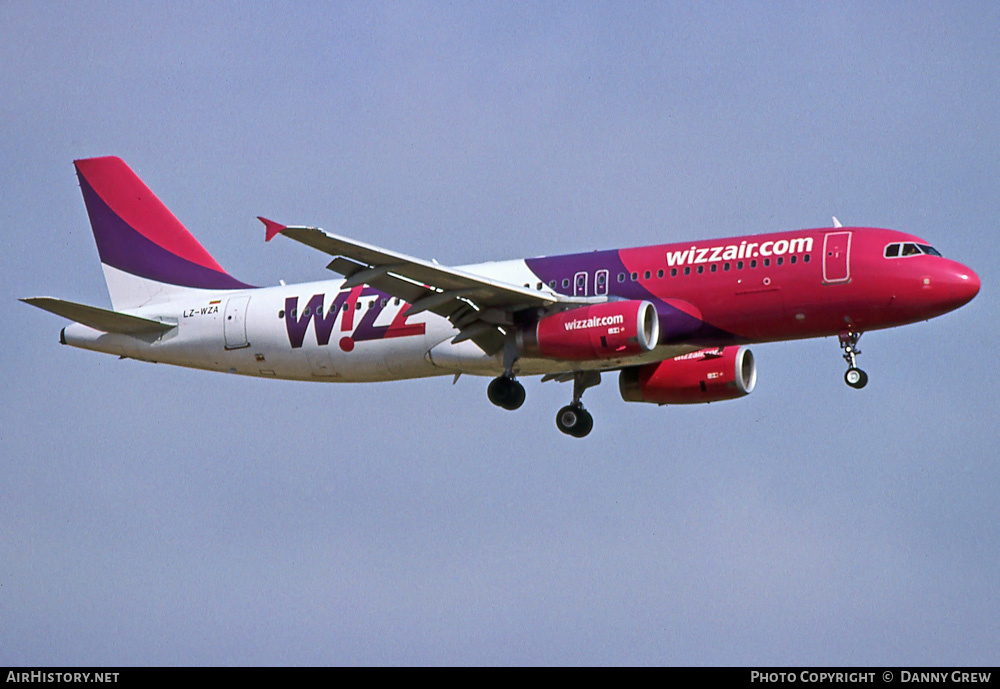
[(836, 223)]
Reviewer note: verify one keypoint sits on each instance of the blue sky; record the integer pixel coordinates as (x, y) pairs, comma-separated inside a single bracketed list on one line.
[(151, 515)]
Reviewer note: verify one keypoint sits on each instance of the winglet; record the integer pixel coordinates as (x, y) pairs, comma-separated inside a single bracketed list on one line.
[(273, 228)]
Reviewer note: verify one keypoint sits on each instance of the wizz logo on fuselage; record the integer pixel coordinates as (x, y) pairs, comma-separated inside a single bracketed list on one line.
[(345, 308)]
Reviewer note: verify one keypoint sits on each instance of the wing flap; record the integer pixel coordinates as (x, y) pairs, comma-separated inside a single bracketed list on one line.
[(100, 319)]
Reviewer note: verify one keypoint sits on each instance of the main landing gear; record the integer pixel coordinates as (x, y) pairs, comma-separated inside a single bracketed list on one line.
[(504, 391), (573, 419), (854, 377)]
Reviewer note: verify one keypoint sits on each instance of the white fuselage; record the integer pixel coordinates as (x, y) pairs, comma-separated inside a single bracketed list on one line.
[(293, 332)]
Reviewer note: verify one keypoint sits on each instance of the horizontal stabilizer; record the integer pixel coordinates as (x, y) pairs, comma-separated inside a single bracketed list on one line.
[(100, 319)]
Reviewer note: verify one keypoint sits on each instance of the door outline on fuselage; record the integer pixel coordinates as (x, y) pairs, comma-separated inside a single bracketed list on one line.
[(601, 283), (580, 284), (235, 324), (836, 257)]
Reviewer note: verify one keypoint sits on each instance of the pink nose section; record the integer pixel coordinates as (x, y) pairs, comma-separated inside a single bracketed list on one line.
[(964, 286)]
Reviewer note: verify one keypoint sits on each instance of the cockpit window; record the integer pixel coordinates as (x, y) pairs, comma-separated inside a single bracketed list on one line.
[(909, 249)]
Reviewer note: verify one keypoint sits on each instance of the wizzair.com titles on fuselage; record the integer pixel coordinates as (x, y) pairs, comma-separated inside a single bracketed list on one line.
[(745, 249), (673, 321)]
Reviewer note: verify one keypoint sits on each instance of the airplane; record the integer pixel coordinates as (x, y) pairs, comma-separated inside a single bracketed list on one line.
[(674, 321)]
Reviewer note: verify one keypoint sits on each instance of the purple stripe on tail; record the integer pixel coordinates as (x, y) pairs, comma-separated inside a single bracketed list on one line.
[(122, 247)]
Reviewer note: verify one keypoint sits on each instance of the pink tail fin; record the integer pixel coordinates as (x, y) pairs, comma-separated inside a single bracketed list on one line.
[(138, 235)]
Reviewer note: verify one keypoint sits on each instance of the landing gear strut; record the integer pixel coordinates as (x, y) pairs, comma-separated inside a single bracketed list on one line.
[(504, 391), (854, 377), (573, 419)]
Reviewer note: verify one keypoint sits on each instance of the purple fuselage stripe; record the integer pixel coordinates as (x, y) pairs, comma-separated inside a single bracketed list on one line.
[(675, 325), (122, 247)]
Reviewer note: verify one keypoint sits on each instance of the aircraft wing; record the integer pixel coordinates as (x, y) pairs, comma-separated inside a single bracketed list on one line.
[(479, 307)]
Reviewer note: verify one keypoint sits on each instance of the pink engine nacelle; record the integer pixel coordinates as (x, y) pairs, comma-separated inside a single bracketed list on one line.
[(708, 375), (603, 331)]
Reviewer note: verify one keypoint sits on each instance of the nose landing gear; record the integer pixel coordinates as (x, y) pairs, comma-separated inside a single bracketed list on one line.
[(854, 377)]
